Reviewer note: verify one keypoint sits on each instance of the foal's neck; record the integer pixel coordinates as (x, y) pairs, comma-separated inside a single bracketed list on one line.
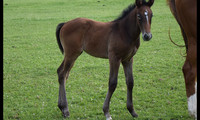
[(130, 25)]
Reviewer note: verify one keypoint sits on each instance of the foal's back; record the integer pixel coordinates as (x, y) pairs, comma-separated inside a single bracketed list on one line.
[(88, 35)]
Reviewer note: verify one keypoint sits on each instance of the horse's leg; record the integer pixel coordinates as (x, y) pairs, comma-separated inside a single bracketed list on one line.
[(62, 100), (127, 65), (190, 75), (63, 73), (114, 67)]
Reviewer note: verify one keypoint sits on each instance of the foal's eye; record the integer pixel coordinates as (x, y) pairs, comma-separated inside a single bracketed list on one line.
[(139, 17)]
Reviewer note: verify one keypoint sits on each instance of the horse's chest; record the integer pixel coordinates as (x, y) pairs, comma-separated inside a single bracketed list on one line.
[(123, 49), (132, 51)]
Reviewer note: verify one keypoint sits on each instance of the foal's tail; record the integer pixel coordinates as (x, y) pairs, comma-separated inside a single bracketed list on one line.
[(58, 36)]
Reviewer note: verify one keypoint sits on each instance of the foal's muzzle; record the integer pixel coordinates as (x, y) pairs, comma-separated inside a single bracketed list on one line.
[(147, 36)]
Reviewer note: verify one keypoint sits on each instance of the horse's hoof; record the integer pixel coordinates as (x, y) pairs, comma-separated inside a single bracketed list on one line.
[(65, 113), (109, 118), (134, 115)]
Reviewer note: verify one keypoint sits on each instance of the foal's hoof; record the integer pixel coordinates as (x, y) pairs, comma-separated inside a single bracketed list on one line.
[(108, 116), (134, 114), (65, 113)]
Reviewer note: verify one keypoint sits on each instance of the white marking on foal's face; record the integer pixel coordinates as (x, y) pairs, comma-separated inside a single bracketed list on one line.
[(192, 103), (146, 15)]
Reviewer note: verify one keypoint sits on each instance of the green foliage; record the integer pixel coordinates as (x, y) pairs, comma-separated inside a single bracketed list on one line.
[(31, 57)]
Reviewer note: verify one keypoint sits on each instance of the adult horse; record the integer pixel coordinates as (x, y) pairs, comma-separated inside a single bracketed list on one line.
[(117, 40), (185, 12)]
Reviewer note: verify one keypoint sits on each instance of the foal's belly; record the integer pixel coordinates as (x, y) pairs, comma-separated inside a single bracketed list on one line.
[(96, 49), (95, 41)]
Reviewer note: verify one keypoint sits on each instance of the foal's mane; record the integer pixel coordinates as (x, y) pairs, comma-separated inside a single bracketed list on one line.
[(125, 12)]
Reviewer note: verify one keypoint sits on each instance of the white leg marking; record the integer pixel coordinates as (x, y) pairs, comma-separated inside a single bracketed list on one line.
[(192, 103), (108, 117)]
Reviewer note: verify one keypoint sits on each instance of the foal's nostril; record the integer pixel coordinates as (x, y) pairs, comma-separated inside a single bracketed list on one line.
[(146, 36)]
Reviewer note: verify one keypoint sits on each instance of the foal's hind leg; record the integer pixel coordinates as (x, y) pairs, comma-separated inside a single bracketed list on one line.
[(63, 73), (62, 100), (127, 65)]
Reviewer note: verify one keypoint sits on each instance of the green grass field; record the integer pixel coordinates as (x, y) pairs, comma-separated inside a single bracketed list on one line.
[(31, 57)]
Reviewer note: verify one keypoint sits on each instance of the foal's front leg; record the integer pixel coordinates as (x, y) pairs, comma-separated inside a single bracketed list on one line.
[(127, 65), (114, 67)]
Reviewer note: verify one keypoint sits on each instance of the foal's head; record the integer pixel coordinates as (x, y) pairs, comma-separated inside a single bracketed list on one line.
[(144, 15)]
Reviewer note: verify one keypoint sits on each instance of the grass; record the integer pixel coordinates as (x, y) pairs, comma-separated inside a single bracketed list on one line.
[(31, 57)]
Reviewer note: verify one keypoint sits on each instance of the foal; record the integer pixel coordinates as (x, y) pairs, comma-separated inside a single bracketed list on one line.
[(117, 40)]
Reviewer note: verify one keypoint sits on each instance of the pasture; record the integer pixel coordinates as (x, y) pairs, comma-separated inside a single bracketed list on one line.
[(31, 57)]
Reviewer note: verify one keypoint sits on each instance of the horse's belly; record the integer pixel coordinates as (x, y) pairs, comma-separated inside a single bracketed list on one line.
[(97, 53), (96, 43), (96, 49)]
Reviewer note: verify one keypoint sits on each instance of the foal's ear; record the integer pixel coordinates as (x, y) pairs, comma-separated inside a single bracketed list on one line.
[(150, 3), (138, 3)]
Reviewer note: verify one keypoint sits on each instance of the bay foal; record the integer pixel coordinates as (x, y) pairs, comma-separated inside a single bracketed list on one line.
[(117, 40)]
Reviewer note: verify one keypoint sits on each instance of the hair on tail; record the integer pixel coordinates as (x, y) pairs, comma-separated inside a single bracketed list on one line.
[(58, 36)]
